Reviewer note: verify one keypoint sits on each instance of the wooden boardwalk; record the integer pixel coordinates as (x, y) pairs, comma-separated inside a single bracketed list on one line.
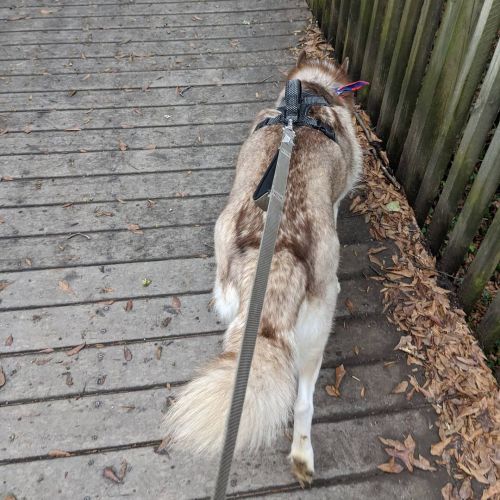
[(120, 125)]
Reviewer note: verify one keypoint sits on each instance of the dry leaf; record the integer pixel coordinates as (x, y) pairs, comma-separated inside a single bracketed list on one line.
[(6, 178), (176, 304), (158, 351), (391, 467), (65, 286), (492, 492), (350, 306), (400, 388), (122, 146), (362, 392), (438, 448), (109, 473), (166, 321), (127, 354), (9, 340), (4, 284), (135, 228), (58, 453), (75, 350), (129, 306), (331, 390), (339, 375), (2, 377)]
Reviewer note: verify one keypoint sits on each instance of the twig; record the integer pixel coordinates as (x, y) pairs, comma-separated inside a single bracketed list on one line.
[(386, 172), (78, 234), (265, 79)]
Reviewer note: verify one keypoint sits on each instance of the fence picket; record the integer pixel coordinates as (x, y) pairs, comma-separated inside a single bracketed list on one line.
[(489, 329), (341, 29), (356, 58)]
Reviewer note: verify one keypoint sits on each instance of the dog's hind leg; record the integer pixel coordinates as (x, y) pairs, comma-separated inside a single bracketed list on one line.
[(311, 333)]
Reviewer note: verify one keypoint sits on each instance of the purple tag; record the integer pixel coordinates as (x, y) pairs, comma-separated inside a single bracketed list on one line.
[(350, 87)]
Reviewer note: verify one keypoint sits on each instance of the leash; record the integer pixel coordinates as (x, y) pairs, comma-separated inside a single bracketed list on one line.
[(266, 252)]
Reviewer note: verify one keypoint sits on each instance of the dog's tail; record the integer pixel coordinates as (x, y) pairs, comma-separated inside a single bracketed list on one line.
[(197, 419)]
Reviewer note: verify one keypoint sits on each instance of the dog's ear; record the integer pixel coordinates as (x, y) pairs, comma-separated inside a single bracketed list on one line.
[(345, 65), (302, 59)]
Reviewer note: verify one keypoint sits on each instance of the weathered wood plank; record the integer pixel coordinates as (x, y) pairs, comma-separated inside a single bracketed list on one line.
[(489, 328), (361, 33), (130, 98), (161, 9), (180, 78), (482, 267), (372, 43), (350, 32), (119, 246), (144, 49), (416, 64), (239, 30), (385, 51), (478, 199), (163, 116), (113, 187), (355, 444), (437, 87), (146, 20), (399, 64), (154, 364), (482, 117), (152, 63), (154, 318), (341, 28), (471, 72)]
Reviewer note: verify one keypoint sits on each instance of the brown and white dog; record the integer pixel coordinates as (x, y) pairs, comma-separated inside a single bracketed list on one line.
[(303, 287)]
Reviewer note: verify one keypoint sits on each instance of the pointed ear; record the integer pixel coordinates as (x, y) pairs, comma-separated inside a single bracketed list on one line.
[(345, 65), (301, 59)]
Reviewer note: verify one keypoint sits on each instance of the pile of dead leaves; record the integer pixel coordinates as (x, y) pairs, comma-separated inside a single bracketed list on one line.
[(458, 382)]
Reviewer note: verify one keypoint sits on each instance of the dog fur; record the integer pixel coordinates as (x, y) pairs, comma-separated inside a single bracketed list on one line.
[(302, 291)]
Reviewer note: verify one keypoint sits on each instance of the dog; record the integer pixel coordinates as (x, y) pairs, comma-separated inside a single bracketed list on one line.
[(302, 291)]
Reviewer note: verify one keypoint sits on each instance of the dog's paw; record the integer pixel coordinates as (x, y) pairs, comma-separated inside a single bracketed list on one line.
[(302, 471)]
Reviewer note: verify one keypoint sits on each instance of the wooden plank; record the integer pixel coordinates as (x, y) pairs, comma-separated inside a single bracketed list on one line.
[(437, 87), (489, 329), (156, 242), (333, 21), (482, 117), (388, 36), (134, 35), (471, 72), (135, 64), (423, 41), (478, 199), (399, 64), (351, 32), (113, 187), (130, 98), (362, 28), (372, 43), (482, 267), (357, 451), (154, 319), (143, 49), (341, 29), (95, 423), (181, 78), (152, 21), (161, 9), (162, 116), (155, 363)]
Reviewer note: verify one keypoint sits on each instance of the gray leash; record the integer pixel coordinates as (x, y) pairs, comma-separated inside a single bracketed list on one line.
[(266, 252)]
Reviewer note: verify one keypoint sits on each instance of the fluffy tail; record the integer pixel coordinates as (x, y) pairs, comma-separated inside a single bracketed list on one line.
[(196, 421)]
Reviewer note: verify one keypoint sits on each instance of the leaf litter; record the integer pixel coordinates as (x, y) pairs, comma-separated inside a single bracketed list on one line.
[(458, 383)]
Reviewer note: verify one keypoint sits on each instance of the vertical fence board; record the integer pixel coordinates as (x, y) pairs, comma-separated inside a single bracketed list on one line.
[(383, 59), (372, 43), (341, 29), (489, 328), (352, 23), (325, 16), (356, 59), (467, 82), (437, 86), (333, 22), (415, 68), (482, 267), (399, 63), (480, 195), (482, 117)]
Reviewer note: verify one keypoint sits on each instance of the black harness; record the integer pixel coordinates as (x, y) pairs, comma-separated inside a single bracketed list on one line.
[(294, 110)]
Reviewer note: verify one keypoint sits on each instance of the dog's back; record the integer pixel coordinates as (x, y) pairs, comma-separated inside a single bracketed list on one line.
[(302, 289)]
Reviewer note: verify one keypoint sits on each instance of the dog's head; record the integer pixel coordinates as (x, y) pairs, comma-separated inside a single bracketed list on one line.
[(327, 75)]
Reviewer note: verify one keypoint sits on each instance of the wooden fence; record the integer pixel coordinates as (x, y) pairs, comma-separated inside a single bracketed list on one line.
[(435, 98)]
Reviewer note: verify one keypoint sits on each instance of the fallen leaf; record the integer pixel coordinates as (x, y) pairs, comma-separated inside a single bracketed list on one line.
[(400, 388), (75, 350), (6, 178), (492, 492), (151, 147), (4, 284), (129, 306), (438, 448), (2, 220), (65, 287), (146, 282), (339, 375), (69, 379), (45, 12), (391, 467), (107, 290), (166, 321), (176, 304), (10, 496), (196, 18), (135, 228), (127, 354), (422, 463), (109, 473), (58, 453), (158, 351), (350, 306), (122, 146), (123, 470), (9, 340), (362, 392), (2, 377), (393, 206), (331, 390)]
